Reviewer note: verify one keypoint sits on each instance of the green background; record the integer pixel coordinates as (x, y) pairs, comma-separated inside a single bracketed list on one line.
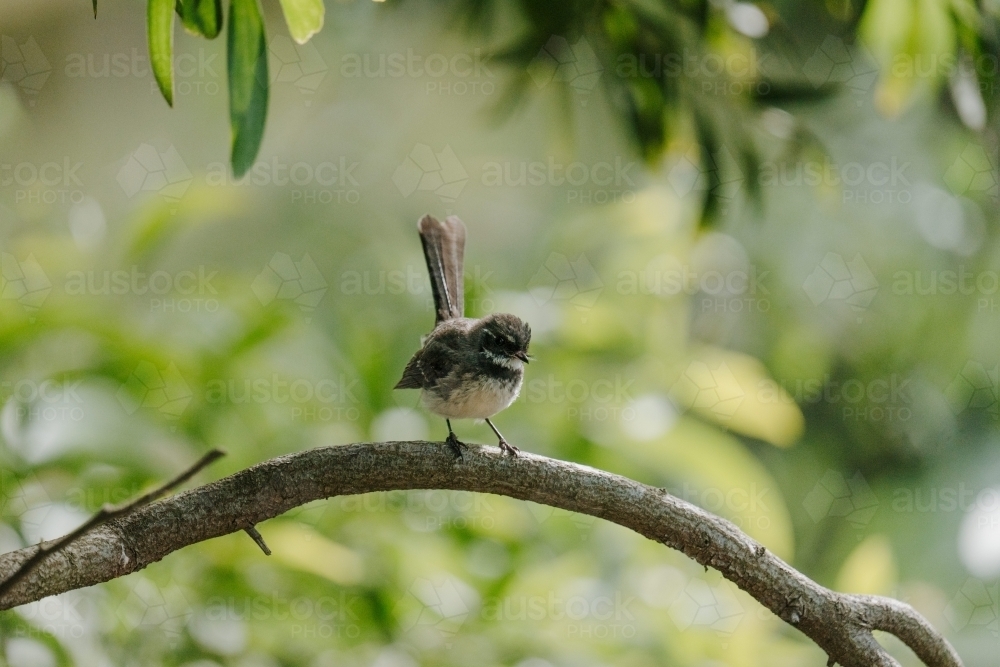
[(815, 360)]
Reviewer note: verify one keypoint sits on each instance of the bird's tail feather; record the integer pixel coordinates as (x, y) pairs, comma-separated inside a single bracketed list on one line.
[(444, 250)]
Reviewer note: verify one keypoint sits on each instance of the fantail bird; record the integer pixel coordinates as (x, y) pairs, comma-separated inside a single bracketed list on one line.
[(466, 368)]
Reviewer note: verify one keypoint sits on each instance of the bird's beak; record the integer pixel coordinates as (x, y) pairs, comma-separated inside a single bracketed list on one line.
[(523, 356)]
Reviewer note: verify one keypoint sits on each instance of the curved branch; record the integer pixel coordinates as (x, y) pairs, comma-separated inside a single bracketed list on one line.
[(105, 514), (840, 624)]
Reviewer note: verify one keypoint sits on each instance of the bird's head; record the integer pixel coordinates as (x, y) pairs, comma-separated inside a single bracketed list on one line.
[(504, 339)]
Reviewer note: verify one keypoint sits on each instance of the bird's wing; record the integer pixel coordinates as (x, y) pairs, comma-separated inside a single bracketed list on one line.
[(444, 250), (413, 376), (437, 358)]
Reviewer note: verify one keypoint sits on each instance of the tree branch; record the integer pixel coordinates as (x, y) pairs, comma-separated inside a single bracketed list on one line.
[(840, 624), (105, 514)]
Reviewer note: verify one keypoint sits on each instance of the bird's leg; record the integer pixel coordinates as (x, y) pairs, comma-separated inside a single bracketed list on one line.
[(453, 441), (505, 446)]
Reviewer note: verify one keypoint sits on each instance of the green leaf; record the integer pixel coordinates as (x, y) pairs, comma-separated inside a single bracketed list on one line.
[(95, 9), (247, 62), (201, 17), (160, 31), (304, 18)]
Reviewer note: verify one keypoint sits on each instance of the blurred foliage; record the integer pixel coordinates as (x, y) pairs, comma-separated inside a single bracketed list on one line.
[(819, 367), (647, 45)]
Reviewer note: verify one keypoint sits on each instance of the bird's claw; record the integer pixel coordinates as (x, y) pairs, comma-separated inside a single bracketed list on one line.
[(456, 445), (508, 448)]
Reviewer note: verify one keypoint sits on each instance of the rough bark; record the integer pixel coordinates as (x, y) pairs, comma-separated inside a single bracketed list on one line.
[(840, 624)]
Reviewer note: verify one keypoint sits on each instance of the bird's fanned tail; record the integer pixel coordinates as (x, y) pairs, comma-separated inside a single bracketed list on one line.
[(444, 250)]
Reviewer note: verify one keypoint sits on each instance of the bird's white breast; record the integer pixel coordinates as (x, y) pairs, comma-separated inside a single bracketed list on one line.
[(474, 400)]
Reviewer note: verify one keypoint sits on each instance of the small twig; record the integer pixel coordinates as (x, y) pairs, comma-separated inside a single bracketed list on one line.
[(105, 514), (259, 539)]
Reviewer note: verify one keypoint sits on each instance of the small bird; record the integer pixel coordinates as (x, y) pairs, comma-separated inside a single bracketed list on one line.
[(466, 368)]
